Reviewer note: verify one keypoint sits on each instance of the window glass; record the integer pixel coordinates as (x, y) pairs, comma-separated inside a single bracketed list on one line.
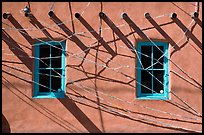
[(153, 79), (48, 71), (56, 80), (158, 87), (156, 55), (44, 80), (44, 53), (146, 61), (146, 80), (56, 52)]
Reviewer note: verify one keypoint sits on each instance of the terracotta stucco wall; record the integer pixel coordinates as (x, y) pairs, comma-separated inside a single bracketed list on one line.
[(95, 109)]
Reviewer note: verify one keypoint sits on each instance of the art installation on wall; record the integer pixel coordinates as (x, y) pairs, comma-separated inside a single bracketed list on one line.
[(100, 70)]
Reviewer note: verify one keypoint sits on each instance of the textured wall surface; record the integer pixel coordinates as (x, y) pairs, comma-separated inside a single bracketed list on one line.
[(101, 88)]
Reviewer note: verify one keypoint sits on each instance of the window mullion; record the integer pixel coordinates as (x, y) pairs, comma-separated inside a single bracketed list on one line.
[(50, 68), (152, 67)]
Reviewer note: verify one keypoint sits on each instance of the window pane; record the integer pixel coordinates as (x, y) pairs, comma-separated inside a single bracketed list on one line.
[(44, 80), (56, 52), (156, 55), (146, 80), (44, 52), (146, 60), (56, 80), (56, 62), (158, 87)]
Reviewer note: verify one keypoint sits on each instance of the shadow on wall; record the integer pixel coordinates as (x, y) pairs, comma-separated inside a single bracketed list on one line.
[(67, 102), (71, 106), (17, 50), (26, 60), (79, 115), (5, 125)]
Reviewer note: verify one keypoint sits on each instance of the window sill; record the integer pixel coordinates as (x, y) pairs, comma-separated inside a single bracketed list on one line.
[(152, 98), (49, 95)]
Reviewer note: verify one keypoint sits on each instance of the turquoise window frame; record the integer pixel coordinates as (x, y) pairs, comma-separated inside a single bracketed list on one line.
[(36, 92), (153, 96)]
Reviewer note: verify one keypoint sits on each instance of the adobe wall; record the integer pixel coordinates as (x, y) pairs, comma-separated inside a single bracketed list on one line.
[(99, 108)]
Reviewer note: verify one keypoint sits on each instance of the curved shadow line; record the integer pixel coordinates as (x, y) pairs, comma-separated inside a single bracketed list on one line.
[(44, 108), (37, 109), (125, 110), (79, 115), (130, 118), (19, 51)]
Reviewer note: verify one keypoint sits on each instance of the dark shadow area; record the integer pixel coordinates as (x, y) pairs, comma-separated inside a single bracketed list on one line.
[(18, 51), (121, 36), (188, 33), (51, 115), (109, 49), (106, 108), (78, 95), (134, 26), (71, 15), (38, 25), (95, 34), (79, 115), (162, 32), (149, 28), (5, 125), (71, 105), (68, 103), (21, 30), (68, 32), (99, 77), (198, 21)]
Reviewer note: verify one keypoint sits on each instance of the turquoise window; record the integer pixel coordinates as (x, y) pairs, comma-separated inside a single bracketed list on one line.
[(49, 70), (152, 71)]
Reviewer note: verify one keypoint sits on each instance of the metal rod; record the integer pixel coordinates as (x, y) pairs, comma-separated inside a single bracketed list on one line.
[(6, 15), (173, 15)]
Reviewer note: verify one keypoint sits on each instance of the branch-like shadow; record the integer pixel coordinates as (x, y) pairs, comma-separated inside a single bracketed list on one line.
[(79, 115), (99, 77), (162, 32), (18, 51), (71, 15), (38, 25), (134, 26), (95, 34), (78, 95), (68, 32), (106, 108), (187, 32), (21, 30), (125, 40), (51, 115)]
